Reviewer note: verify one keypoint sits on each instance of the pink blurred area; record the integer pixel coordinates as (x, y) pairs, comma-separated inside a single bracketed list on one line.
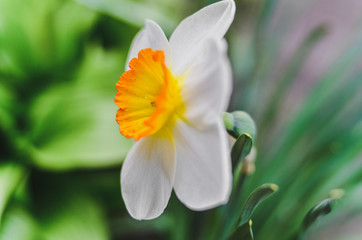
[(294, 20)]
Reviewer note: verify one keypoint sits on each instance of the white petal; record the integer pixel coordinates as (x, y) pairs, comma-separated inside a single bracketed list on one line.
[(203, 173), (147, 177), (211, 21), (151, 36), (207, 88)]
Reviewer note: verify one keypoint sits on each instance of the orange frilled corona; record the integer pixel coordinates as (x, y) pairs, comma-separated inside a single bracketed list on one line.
[(148, 96)]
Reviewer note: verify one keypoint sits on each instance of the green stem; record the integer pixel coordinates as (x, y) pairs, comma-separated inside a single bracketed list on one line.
[(231, 212)]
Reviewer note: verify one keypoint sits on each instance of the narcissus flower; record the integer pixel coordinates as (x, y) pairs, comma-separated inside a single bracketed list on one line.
[(171, 100)]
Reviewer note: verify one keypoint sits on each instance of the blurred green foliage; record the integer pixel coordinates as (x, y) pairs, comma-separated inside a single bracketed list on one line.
[(61, 151)]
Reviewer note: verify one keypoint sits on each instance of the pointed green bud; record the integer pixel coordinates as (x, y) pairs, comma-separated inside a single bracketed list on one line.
[(241, 126), (238, 123)]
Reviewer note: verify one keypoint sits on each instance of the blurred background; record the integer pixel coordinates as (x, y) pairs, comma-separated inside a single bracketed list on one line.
[(297, 71)]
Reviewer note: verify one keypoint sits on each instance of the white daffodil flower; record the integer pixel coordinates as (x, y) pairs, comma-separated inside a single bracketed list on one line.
[(170, 101)]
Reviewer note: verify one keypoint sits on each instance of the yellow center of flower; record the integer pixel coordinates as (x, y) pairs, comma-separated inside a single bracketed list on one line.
[(148, 96)]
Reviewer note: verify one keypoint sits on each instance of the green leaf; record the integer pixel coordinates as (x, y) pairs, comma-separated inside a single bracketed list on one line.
[(71, 23), (241, 149), (322, 208), (241, 126), (135, 12), (79, 131), (7, 100), (243, 232), (45, 40), (73, 216), (243, 229), (18, 224), (7, 121), (254, 199), (11, 175), (74, 124)]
